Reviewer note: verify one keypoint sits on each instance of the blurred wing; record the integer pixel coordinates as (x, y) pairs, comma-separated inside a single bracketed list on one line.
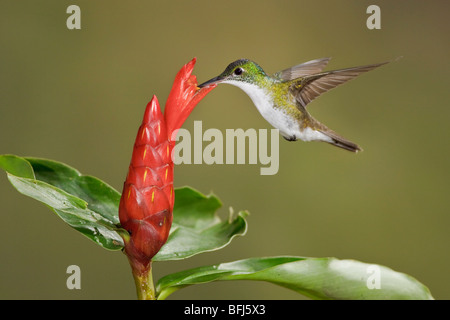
[(307, 89), (301, 70)]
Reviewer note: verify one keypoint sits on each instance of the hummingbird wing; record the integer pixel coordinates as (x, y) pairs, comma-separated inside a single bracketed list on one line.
[(302, 70), (308, 88)]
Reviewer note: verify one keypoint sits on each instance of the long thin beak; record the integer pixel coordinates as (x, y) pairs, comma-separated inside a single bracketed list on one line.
[(210, 82)]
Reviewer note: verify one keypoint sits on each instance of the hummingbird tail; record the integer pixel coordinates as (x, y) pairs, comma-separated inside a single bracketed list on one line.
[(338, 141)]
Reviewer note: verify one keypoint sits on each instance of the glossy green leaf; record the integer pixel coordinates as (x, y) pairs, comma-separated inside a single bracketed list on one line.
[(317, 278), (91, 206), (16, 165), (100, 197), (85, 203), (197, 228)]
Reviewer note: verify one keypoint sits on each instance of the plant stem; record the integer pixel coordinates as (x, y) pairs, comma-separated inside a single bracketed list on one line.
[(142, 272), (144, 284)]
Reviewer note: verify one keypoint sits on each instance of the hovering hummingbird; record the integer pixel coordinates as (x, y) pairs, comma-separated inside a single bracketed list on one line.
[(282, 98)]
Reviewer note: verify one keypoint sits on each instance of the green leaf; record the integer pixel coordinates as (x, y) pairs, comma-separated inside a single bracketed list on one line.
[(16, 165), (317, 278), (100, 197), (197, 228), (91, 206), (85, 203)]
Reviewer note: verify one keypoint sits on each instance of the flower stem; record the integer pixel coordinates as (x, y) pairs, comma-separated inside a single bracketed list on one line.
[(144, 284)]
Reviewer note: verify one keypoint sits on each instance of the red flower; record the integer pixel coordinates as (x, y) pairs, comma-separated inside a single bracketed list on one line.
[(147, 200), (183, 97)]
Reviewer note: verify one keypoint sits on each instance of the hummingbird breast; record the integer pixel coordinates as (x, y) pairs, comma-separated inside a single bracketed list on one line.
[(287, 119)]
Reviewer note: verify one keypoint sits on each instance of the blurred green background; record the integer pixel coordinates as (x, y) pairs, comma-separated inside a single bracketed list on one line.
[(78, 96)]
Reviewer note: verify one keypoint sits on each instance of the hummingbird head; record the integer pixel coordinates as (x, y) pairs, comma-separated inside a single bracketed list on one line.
[(242, 70)]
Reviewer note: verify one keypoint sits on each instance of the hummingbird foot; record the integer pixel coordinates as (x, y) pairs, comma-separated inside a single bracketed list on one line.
[(290, 138)]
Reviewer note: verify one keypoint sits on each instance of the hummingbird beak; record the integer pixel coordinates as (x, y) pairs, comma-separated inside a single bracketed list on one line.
[(212, 81)]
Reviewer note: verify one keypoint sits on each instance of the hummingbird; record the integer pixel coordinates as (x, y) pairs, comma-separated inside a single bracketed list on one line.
[(282, 98)]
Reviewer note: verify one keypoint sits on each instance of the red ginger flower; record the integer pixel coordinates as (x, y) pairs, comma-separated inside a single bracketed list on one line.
[(146, 205)]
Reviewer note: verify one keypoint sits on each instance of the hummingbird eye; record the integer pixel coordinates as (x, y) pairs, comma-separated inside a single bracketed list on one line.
[(238, 71)]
